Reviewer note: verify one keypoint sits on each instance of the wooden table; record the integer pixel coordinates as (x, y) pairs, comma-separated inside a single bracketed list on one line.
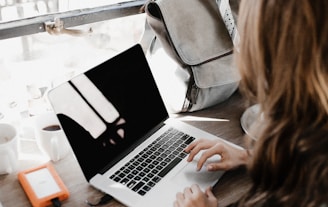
[(224, 122)]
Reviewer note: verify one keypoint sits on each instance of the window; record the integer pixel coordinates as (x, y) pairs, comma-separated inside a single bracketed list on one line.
[(32, 61)]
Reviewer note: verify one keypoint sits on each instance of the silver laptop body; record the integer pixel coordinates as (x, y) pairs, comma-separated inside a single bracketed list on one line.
[(114, 119)]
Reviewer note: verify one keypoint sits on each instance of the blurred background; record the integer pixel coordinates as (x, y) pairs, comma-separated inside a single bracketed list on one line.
[(30, 65)]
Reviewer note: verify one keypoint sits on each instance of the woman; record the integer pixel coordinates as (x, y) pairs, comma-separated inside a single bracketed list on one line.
[(283, 62)]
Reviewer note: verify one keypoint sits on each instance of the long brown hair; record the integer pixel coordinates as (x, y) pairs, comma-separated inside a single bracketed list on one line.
[(283, 63)]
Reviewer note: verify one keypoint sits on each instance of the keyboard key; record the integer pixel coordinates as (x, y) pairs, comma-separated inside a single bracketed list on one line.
[(156, 179), (117, 179), (159, 167), (155, 162), (189, 140), (154, 171), (139, 168), (182, 155), (184, 137), (142, 174), (151, 184), (169, 167), (146, 188), (131, 183), (163, 163), (146, 179), (146, 170), (138, 186), (150, 175), (142, 192), (121, 175), (124, 181)]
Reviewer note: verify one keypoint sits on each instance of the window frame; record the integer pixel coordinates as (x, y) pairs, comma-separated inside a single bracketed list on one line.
[(37, 24)]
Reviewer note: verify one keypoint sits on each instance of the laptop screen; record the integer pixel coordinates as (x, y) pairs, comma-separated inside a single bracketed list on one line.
[(109, 108)]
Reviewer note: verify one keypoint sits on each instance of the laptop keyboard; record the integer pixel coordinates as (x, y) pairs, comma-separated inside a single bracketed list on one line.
[(148, 167)]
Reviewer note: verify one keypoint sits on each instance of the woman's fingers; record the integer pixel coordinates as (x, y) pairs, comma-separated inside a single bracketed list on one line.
[(218, 166), (191, 146), (211, 197), (179, 199), (196, 146), (193, 196), (209, 192), (195, 189), (217, 149)]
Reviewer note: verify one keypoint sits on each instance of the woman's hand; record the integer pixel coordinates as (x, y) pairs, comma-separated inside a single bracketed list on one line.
[(195, 197), (231, 156)]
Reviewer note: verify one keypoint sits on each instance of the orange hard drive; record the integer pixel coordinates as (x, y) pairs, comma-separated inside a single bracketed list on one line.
[(42, 184)]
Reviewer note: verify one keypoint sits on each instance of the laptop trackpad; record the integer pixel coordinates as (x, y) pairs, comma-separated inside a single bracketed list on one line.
[(189, 175)]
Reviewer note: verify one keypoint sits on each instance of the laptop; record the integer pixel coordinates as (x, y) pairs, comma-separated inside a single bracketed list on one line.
[(122, 136)]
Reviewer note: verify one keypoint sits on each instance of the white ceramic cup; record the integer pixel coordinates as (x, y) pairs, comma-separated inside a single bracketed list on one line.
[(50, 137), (8, 148)]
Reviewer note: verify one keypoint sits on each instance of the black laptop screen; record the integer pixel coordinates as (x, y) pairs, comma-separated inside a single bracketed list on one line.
[(127, 83)]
